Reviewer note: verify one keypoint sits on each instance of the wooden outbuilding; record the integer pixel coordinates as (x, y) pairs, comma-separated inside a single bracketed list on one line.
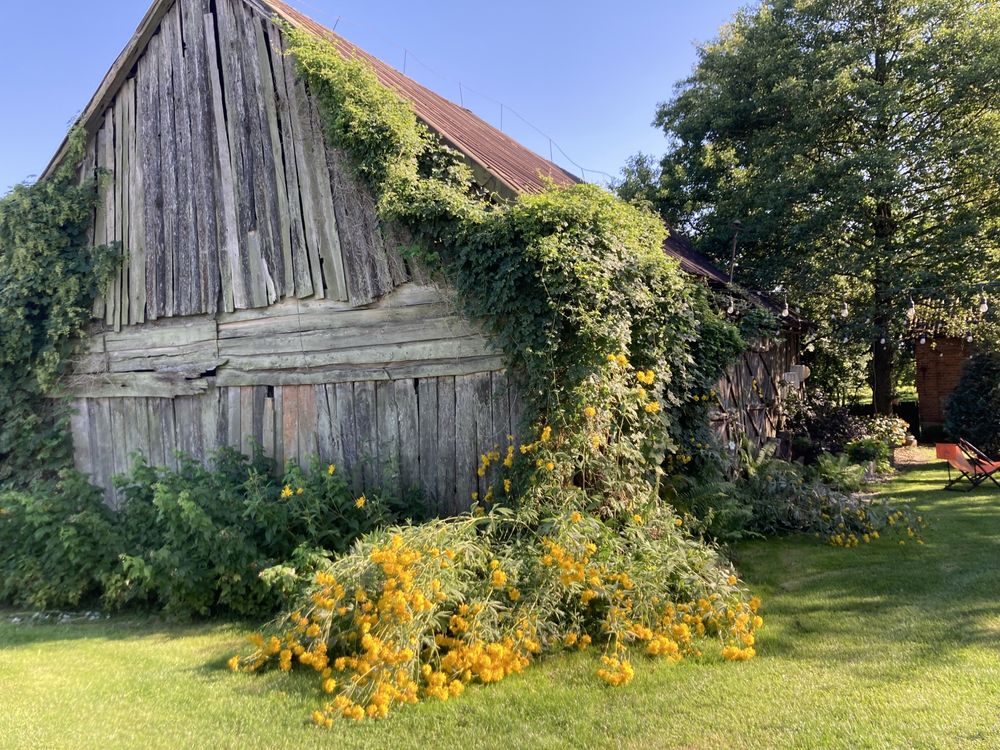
[(260, 301), (753, 390)]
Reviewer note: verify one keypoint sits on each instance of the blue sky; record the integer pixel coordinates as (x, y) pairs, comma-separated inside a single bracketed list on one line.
[(587, 74)]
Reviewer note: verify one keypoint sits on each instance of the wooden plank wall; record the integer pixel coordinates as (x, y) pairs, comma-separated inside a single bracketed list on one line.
[(413, 332), (388, 435), (219, 185), (402, 393), (752, 391)]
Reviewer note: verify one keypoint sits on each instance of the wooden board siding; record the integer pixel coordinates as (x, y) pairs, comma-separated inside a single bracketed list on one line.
[(218, 184), (751, 392), (402, 393), (370, 430)]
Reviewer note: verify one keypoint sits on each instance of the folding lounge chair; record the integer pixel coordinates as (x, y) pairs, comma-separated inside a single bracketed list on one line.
[(971, 465)]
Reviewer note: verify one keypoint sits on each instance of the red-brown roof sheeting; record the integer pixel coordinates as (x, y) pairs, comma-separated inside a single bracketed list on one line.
[(514, 165)]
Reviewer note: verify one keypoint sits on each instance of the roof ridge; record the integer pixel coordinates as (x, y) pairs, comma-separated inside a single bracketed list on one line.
[(499, 162), (510, 162)]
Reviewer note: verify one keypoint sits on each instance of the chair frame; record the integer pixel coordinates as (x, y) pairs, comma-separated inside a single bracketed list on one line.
[(982, 466)]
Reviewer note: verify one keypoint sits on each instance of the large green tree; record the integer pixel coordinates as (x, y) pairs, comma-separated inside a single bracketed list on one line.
[(858, 142)]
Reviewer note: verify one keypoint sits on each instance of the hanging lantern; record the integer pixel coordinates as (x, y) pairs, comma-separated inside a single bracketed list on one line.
[(732, 306), (785, 311), (984, 306)]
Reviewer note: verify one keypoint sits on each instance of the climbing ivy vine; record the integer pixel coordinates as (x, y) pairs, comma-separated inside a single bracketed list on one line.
[(49, 277), (561, 279)]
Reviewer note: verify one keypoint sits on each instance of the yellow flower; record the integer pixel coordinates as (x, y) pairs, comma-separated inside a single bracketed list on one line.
[(731, 580), (590, 412), (514, 594), (331, 469), (234, 663), (550, 466), (653, 407), (299, 491), (637, 518), (575, 516), (678, 522), (498, 579), (286, 492), (360, 502), (506, 486), (622, 360)]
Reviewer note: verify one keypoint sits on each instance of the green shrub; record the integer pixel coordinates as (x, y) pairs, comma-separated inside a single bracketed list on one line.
[(197, 538), (972, 412), (870, 450), (839, 472), (58, 543), (190, 541), (890, 430), (772, 496)]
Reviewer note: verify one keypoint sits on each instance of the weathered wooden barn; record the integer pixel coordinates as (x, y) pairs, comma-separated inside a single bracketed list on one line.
[(259, 299), (753, 390)]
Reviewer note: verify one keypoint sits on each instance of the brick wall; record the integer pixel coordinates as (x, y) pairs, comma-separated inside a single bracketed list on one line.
[(939, 366)]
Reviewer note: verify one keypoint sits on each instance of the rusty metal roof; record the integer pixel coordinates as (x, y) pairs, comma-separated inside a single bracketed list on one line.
[(517, 168), (693, 262)]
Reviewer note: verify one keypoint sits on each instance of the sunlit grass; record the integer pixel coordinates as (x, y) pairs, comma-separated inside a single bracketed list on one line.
[(882, 646)]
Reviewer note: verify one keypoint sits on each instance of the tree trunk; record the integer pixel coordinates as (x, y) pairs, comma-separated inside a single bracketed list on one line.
[(883, 355)]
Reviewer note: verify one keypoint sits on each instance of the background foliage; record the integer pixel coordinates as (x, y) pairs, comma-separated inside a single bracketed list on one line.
[(856, 141), (972, 411)]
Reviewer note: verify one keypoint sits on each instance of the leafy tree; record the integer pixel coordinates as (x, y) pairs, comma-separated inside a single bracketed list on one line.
[(858, 142)]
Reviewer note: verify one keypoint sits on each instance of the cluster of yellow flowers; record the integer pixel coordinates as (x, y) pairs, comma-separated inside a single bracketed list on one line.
[(616, 671), (864, 528), (423, 611)]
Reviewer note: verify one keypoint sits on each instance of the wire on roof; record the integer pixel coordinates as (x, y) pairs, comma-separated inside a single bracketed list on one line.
[(462, 88)]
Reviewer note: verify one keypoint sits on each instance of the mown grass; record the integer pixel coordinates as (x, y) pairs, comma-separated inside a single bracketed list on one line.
[(883, 646)]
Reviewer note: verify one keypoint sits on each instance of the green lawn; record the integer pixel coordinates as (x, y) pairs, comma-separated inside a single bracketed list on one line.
[(879, 646)]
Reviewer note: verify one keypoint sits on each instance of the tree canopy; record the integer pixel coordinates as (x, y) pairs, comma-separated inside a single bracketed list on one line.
[(858, 143)]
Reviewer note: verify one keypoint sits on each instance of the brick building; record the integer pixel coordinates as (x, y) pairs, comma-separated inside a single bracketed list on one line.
[(939, 366)]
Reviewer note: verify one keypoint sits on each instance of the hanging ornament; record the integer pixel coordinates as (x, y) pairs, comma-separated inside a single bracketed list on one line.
[(785, 311), (923, 339), (844, 311), (882, 341), (911, 312), (968, 336), (732, 306), (984, 306)]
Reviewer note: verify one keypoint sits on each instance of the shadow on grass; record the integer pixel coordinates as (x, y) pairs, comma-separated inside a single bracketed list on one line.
[(118, 627), (928, 601)]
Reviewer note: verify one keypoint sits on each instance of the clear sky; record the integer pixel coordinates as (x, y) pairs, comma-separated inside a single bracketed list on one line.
[(586, 73)]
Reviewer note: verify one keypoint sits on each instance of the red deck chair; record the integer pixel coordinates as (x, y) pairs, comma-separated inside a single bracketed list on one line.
[(970, 463)]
